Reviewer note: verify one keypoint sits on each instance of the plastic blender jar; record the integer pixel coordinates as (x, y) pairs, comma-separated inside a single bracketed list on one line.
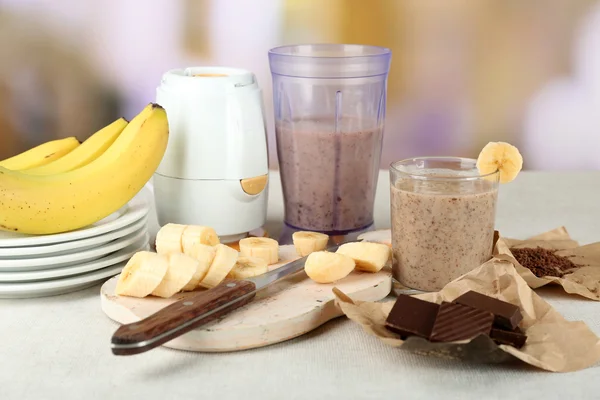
[(329, 103)]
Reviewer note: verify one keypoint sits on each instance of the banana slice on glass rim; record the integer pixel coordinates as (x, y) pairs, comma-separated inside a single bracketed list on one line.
[(502, 157)]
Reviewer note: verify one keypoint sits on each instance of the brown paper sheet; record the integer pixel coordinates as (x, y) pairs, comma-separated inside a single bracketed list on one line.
[(553, 343), (585, 281)]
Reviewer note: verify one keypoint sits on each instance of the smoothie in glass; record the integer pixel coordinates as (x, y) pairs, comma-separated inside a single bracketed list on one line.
[(443, 215)]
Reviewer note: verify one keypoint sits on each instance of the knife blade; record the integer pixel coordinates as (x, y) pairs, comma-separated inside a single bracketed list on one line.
[(196, 310)]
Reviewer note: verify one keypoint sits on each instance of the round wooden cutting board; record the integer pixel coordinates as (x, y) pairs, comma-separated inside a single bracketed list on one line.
[(285, 310)]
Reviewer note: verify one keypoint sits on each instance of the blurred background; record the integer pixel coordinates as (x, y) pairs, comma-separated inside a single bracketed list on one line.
[(464, 72)]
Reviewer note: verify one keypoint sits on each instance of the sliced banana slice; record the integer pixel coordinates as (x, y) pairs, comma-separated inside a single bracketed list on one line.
[(500, 156), (369, 257), (142, 274), (260, 247), (168, 239), (204, 254), (247, 267), (308, 242), (222, 264), (326, 267), (194, 234), (181, 270)]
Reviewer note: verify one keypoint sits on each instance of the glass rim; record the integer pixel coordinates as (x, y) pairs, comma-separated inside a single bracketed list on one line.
[(378, 51), (394, 167)]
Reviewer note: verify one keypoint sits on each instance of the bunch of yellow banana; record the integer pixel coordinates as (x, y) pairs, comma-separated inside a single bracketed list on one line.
[(41, 155), (63, 185)]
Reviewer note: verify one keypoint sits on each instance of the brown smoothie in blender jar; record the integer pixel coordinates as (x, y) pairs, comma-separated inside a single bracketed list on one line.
[(329, 173)]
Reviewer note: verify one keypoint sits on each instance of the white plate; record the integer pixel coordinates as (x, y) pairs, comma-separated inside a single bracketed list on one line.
[(46, 274), (58, 286), (35, 264), (69, 247), (136, 209)]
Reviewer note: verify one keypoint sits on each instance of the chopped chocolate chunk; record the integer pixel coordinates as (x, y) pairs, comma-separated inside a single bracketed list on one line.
[(411, 316), (459, 322), (470, 315), (543, 262), (506, 315), (512, 338)]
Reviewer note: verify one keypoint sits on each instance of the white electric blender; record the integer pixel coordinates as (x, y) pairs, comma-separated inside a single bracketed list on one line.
[(215, 169)]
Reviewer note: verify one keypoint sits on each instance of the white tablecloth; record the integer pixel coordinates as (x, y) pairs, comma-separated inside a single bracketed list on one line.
[(58, 347)]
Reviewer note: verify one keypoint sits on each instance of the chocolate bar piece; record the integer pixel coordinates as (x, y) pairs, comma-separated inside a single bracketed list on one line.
[(506, 315), (512, 338), (459, 322), (411, 316)]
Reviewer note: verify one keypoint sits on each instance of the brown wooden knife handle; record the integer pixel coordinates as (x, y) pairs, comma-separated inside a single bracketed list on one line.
[(181, 317)]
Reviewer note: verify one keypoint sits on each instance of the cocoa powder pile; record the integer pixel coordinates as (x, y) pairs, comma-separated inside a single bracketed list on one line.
[(543, 262)]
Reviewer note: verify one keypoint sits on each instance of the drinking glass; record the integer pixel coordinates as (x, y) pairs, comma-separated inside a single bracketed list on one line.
[(442, 216)]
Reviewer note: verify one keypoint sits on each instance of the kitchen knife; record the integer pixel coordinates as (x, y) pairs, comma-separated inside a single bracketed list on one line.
[(196, 310)]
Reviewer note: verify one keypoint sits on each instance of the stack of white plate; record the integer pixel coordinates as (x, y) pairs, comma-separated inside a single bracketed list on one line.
[(36, 266)]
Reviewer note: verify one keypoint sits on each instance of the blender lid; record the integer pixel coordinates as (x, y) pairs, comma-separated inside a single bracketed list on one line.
[(207, 77)]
